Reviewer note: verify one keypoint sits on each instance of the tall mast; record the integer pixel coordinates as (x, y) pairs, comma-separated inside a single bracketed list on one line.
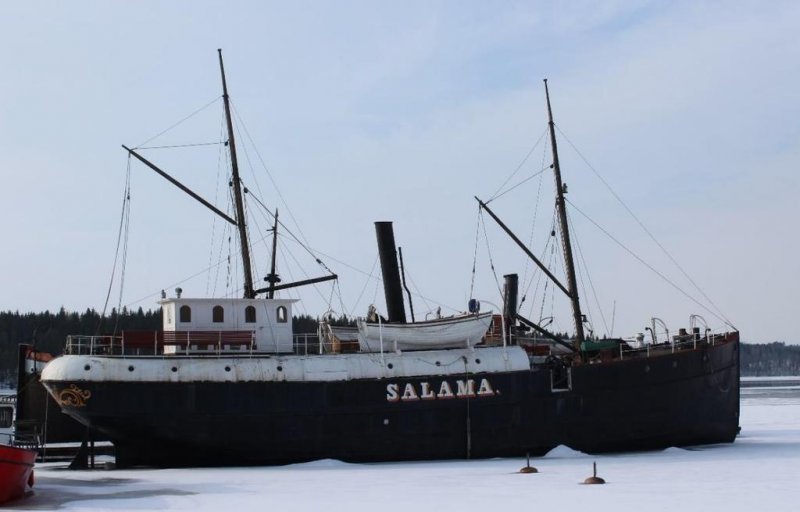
[(249, 292), (562, 220), (273, 278)]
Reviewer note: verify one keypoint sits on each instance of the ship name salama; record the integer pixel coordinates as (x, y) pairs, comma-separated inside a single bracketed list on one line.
[(467, 388)]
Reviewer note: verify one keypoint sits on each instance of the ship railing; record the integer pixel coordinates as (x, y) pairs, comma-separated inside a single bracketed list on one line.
[(309, 343), (93, 345), (688, 341), (163, 343), (204, 342)]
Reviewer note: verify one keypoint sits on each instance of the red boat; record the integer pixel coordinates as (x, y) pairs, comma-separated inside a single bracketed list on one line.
[(16, 471)]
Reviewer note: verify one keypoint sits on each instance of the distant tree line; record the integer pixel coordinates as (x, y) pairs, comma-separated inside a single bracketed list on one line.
[(770, 359), (48, 332)]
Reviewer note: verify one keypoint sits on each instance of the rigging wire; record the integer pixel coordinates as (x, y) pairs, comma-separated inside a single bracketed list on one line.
[(366, 283), (138, 146), (533, 222), (538, 173), (125, 213), (418, 294), (283, 250), (588, 276), (182, 145), (475, 252), (296, 239), (489, 251), (124, 265), (643, 262), (269, 175), (494, 196), (546, 284), (537, 275), (721, 315), (220, 157)]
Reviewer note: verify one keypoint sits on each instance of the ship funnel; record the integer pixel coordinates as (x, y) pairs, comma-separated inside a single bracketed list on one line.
[(510, 291), (391, 272)]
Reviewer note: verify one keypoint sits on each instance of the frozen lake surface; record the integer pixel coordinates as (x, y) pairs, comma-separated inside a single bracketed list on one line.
[(758, 472)]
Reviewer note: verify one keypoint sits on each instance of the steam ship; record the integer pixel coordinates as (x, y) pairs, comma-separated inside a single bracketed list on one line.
[(227, 381)]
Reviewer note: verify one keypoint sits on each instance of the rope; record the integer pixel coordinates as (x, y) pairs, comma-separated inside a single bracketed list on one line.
[(721, 315)]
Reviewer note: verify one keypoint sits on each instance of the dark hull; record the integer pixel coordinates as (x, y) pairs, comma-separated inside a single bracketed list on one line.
[(686, 398)]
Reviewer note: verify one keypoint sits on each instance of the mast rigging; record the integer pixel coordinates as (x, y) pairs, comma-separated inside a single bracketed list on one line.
[(249, 292), (562, 217)]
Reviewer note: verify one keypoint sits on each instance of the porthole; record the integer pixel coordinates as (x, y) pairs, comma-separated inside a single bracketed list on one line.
[(390, 366), (477, 361), (130, 368), (438, 363), (87, 367), (280, 368), (174, 369), (227, 368)]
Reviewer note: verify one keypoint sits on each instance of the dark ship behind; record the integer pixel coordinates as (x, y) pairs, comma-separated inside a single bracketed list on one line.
[(226, 382)]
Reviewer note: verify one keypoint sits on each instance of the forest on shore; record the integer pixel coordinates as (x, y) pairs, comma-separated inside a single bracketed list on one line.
[(48, 331)]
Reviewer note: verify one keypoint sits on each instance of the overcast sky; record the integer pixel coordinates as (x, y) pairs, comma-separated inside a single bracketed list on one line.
[(403, 111)]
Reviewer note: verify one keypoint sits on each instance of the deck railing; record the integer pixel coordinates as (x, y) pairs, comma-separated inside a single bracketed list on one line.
[(158, 343), (688, 341), (175, 343)]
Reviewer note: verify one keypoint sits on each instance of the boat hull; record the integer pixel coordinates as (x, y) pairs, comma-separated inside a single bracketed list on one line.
[(16, 472), (686, 398)]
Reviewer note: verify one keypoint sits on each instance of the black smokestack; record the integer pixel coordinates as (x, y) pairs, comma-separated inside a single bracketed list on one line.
[(391, 273), (510, 290)]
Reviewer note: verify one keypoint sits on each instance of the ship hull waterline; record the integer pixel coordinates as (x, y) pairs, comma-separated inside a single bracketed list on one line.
[(681, 399)]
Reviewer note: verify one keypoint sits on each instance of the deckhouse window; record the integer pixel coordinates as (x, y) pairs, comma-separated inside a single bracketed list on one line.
[(250, 314), (282, 314), (217, 315), (185, 314)]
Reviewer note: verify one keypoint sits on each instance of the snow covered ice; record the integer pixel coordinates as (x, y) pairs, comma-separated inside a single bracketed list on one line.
[(760, 471)]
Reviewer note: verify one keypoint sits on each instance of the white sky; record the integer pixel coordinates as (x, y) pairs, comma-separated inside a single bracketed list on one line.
[(404, 111)]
